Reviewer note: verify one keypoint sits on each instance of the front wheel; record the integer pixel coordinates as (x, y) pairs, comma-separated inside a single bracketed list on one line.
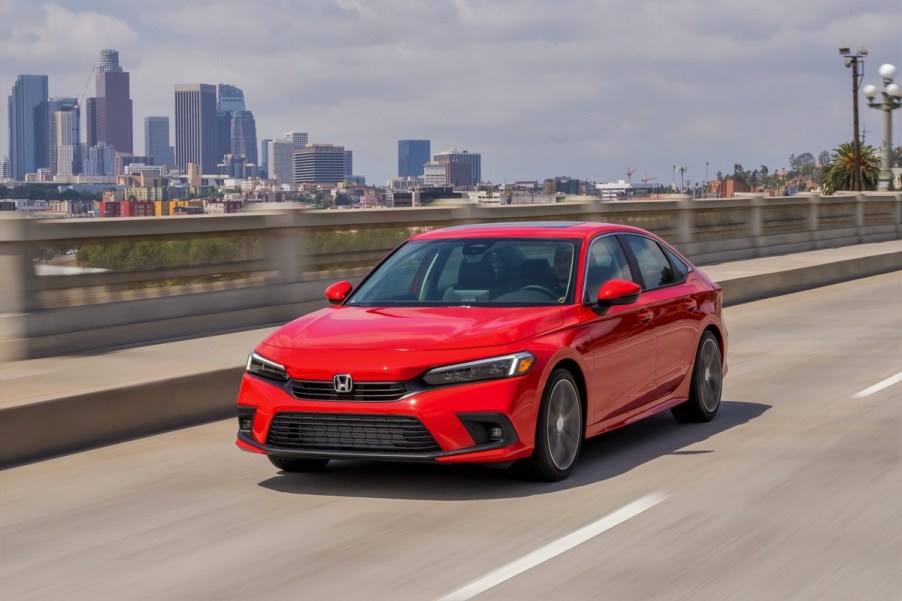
[(707, 382), (290, 464), (559, 429)]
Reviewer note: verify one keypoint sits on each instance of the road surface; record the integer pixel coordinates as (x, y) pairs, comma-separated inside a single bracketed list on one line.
[(793, 492)]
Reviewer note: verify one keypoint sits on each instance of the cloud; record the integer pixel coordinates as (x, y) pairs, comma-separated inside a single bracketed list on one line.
[(571, 87)]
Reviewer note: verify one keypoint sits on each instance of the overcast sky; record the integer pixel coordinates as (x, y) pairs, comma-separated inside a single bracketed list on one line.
[(585, 88)]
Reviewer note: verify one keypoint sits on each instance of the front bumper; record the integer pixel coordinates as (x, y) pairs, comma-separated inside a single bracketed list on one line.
[(451, 415)]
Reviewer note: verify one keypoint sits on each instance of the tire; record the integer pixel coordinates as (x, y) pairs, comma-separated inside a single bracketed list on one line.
[(707, 383), (290, 464), (559, 430)]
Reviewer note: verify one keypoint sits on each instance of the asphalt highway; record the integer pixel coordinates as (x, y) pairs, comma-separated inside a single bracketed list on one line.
[(794, 492)]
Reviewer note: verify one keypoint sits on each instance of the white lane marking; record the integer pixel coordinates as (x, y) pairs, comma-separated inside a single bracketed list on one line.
[(879, 386), (553, 549)]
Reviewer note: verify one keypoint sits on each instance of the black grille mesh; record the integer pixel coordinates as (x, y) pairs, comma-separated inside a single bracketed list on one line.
[(316, 390), (398, 434)]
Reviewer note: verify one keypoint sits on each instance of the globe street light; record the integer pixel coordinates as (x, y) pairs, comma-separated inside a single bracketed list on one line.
[(892, 99), (852, 61)]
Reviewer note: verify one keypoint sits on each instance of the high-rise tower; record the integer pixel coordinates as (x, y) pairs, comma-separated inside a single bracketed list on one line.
[(28, 126), (65, 136), (412, 155), (109, 114), (156, 141), (195, 126)]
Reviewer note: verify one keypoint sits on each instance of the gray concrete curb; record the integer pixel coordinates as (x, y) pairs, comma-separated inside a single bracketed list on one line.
[(33, 431), (756, 287)]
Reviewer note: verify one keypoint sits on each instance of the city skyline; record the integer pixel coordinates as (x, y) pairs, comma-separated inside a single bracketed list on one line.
[(538, 88)]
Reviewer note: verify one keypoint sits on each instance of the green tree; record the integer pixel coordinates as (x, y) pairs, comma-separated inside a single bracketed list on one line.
[(838, 173)]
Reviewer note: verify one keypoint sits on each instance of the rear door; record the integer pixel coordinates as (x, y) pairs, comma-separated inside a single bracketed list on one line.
[(675, 311)]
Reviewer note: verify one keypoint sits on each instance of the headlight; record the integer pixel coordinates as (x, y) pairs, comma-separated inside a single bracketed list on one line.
[(263, 367), (508, 366)]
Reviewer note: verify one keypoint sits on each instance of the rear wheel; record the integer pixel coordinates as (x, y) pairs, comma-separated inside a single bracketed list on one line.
[(707, 382), (559, 431), (291, 464)]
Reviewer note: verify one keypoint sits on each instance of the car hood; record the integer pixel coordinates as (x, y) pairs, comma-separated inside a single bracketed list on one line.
[(414, 328)]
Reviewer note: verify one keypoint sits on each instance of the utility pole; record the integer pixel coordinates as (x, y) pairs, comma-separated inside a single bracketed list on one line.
[(852, 61)]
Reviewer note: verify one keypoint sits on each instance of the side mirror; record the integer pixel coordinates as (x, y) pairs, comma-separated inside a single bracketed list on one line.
[(618, 292), (338, 292)]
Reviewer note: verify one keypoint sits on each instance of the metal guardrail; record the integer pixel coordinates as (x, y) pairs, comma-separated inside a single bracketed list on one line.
[(193, 275)]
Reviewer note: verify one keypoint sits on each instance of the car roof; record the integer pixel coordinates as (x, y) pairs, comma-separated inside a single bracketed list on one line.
[(528, 229)]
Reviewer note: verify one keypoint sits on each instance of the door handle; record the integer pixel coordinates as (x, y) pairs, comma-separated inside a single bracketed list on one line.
[(645, 317), (690, 305)]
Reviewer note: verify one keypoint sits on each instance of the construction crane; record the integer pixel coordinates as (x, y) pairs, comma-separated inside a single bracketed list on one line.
[(629, 174), (647, 179)]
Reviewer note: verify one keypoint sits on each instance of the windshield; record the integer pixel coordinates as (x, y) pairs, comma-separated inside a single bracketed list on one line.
[(507, 272)]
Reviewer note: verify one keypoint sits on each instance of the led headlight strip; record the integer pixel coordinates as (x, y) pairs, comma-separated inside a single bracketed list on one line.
[(506, 366), (263, 367)]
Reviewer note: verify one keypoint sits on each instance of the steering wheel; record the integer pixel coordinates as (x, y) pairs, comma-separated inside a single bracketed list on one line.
[(539, 288)]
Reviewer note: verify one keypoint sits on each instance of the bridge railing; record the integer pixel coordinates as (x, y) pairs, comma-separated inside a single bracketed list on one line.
[(86, 284)]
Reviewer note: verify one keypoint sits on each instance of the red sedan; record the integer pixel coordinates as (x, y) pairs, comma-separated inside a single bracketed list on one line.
[(490, 344)]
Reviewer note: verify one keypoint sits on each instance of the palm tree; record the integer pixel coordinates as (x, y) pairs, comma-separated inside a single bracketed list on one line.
[(838, 173)]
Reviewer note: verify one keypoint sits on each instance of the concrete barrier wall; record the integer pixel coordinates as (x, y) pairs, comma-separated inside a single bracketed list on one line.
[(293, 254)]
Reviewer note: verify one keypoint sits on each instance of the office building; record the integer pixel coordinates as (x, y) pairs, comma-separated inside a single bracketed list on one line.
[(28, 126), (156, 141), (280, 160), (412, 155), (230, 98), (349, 163), (100, 160), (109, 113), (65, 150), (319, 164), (195, 126), (464, 169), (264, 157), (298, 137), (5, 169), (243, 134)]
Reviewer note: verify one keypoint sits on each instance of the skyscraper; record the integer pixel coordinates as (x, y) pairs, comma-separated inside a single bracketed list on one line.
[(279, 160), (244, 135), (156, 141), (236, 130), (109, 114), (195, 126), (28, 126), (264, 157), (65, 135), (230, 98), (412, 155)]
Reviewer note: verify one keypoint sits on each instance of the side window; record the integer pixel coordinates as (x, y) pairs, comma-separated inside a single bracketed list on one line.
[(606, 261), (682, 270), (653, 264)]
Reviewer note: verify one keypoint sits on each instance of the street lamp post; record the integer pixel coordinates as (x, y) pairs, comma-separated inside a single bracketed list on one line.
[(892, 99), (852, 60), (682, 171)]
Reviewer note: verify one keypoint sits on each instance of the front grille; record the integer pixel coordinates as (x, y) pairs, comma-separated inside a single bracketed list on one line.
[(316, 390), (396, 434)]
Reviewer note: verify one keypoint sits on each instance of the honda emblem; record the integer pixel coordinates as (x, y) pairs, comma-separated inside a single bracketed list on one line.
[(343, 383)]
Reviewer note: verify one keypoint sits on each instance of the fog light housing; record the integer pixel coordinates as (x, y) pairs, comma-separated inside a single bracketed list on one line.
[(246, 419), (489, 428)]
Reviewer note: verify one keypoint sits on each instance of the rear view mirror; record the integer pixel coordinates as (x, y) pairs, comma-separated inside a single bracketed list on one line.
[(338, 292), (618, 292)]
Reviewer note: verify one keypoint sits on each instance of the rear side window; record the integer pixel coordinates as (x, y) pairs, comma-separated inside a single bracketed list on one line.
[(653, 264), (682, 270)]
